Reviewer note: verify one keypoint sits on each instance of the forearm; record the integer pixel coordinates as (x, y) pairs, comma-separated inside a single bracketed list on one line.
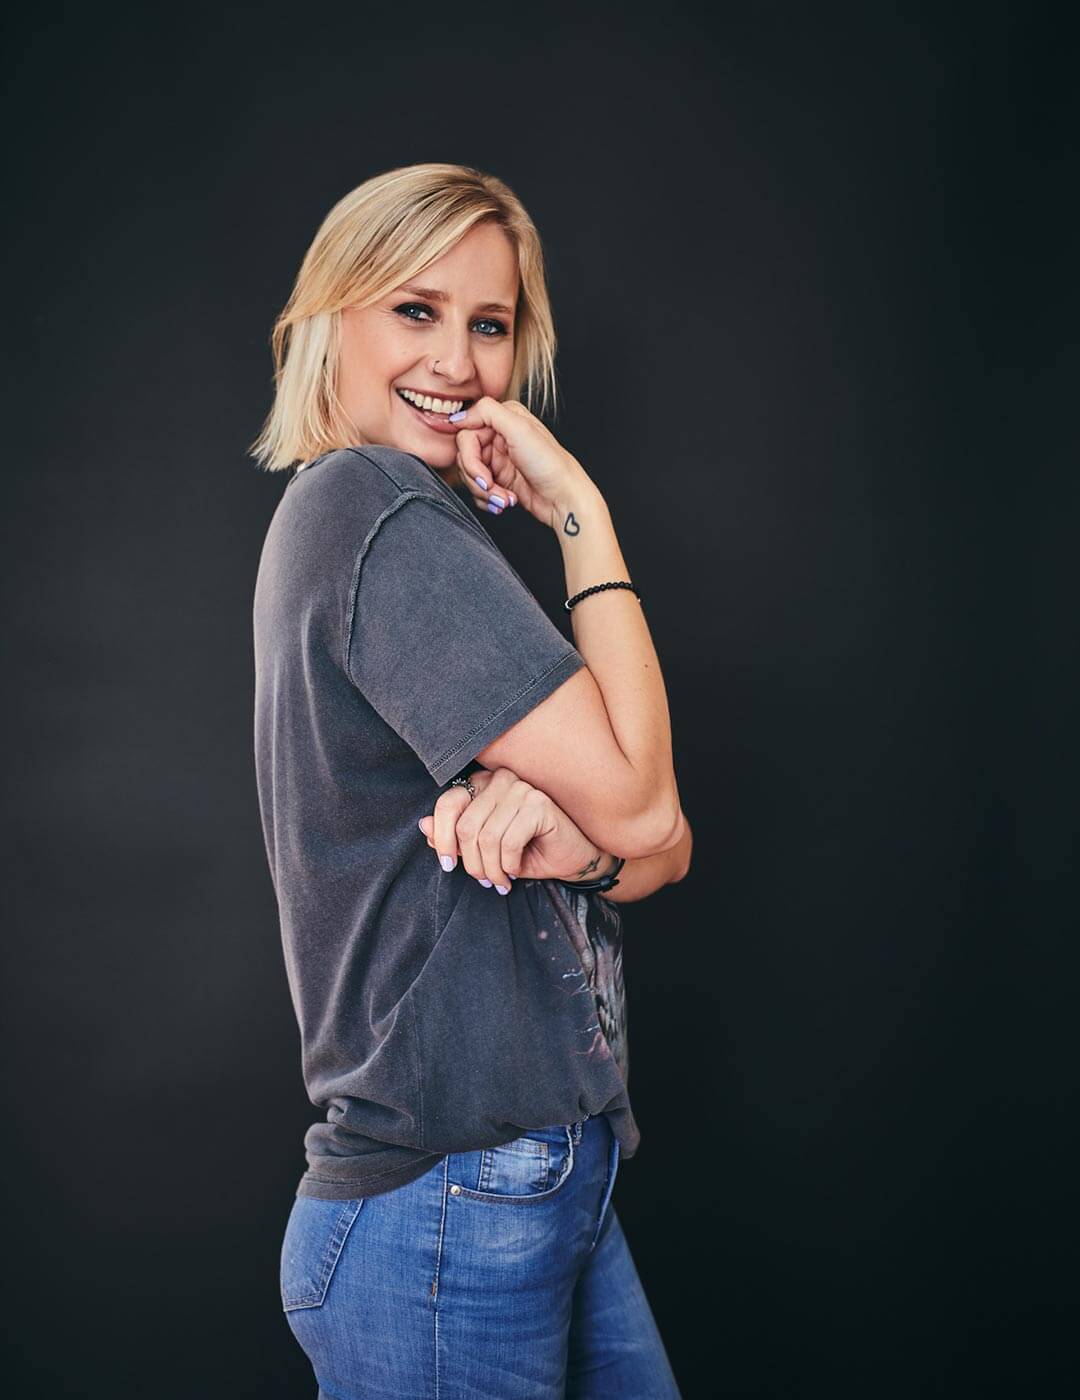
[(644, 876), (613, 637)]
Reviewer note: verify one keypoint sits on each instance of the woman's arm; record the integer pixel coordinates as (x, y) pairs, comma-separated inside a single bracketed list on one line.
[(600, 743), (509, 827), (642, 877)]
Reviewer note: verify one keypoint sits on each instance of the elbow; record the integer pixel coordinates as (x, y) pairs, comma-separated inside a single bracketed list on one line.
[(681, 872), (683, 847), (651, 833)]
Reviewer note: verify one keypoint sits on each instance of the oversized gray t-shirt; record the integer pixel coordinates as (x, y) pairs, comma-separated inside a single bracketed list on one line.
[(394, 641)]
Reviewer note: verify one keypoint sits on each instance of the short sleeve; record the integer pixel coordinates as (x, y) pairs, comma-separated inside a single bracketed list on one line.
[(444, 639)]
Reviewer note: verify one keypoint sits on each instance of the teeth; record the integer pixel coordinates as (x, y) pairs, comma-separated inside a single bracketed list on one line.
[(425, 401)]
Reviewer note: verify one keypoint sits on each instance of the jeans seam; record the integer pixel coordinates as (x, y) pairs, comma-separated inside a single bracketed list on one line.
[(438, 1267), (609, 1186)]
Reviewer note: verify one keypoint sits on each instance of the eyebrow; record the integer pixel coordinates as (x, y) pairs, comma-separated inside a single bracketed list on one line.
[(433, 294)]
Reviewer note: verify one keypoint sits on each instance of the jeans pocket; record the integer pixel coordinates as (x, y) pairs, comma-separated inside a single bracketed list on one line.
[(314, 1238), (530, 1168)]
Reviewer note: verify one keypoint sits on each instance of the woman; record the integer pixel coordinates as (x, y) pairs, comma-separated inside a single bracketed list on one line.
[(462, 1022)]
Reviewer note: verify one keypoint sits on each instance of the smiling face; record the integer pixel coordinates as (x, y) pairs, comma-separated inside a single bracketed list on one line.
[(455, 346)]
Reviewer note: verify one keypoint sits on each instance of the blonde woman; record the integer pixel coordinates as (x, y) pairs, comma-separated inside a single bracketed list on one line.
[(443, 780)]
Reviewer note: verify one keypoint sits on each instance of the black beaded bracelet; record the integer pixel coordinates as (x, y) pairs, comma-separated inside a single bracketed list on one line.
[(599, 588)]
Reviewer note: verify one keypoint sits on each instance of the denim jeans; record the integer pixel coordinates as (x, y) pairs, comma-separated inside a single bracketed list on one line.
[(501, 1274)]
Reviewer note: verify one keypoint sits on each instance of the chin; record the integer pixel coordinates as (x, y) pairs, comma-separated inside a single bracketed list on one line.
[(438, 456)]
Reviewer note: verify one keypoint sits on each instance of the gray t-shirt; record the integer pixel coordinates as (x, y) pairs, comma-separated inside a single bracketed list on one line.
[(393, 642)]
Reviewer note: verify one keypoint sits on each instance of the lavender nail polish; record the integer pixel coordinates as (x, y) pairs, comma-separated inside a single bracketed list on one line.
[(481, 483), (457, 417)]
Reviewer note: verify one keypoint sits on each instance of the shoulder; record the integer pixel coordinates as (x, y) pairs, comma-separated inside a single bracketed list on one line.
[(375, 473), (403, 470)]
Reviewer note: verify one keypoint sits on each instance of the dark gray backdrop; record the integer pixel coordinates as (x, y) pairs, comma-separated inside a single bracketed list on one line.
[(791, 249)]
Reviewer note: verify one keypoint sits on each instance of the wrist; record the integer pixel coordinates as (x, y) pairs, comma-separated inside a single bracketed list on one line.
[(602, 864), (583, 501), (600, 883)]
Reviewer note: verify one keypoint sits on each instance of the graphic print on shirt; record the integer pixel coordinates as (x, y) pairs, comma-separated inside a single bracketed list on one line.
[(594, 927)]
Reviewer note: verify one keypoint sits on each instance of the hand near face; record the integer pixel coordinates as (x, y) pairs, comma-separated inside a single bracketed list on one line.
[(517, 455)]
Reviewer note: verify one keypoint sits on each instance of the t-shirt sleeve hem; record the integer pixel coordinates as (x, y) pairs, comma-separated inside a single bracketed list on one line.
[(450, 763)]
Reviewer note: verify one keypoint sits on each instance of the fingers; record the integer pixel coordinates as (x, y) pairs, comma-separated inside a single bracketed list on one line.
[(488, 832), (482, 827), (487, 412), (441, 827), (483, 468), (518, 832)]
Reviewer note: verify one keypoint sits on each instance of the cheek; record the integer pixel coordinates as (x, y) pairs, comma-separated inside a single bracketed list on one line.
[(495, 375)]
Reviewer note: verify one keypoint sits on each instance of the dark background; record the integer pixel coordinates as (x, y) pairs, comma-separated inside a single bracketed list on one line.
[(810, 273)]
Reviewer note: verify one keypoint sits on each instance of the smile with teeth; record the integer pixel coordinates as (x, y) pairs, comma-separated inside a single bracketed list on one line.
[(428, 404)]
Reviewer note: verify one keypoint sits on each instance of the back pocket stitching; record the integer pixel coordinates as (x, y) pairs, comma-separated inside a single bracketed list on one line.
[(334, 1245)]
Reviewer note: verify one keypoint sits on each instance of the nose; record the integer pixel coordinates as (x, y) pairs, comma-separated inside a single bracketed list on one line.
[(452, 356)]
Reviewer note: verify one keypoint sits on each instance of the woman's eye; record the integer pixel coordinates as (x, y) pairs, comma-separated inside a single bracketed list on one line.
[(410, 306)]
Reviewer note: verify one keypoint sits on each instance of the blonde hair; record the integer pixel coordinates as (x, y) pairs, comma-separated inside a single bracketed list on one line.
[(378, 236)]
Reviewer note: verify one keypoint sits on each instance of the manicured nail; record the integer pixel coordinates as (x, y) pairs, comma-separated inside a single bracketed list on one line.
[(513, 498), (481, 483), (448, 862), (420, 824), (494, 509), (503, 889), (486, 883), (457, 417)]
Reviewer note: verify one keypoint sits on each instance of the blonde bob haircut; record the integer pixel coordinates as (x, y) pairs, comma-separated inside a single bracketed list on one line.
[(378, 236)]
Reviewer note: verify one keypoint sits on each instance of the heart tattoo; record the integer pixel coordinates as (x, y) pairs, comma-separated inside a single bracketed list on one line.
[(572, 527)]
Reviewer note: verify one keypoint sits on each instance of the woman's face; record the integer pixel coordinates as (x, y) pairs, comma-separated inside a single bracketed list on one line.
[(448, 332)]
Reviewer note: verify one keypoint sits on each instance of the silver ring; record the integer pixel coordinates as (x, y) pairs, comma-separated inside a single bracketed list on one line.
[(463, 782)]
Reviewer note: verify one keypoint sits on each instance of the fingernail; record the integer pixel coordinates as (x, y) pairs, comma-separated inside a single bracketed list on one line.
[(513, 498), (457, 417), (486, 884), (420, 824), (481, 483), (503, 889), (498, 500), (448, 862), (493, 508)]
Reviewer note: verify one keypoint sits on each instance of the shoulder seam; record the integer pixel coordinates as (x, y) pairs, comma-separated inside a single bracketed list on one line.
[(437, 495), (406, 495), (358, 452)]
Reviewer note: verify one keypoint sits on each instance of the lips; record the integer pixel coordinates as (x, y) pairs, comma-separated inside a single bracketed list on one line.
[(437, 422)]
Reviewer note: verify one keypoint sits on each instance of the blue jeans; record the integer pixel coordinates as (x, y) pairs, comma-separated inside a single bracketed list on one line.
[(501, 1274)]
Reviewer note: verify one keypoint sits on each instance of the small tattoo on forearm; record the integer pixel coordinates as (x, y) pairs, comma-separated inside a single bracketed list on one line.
[(572, 527), (591, 866)]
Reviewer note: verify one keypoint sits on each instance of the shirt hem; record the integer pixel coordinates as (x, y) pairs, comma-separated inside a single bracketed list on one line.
[(444, 768), (323, 1189)]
